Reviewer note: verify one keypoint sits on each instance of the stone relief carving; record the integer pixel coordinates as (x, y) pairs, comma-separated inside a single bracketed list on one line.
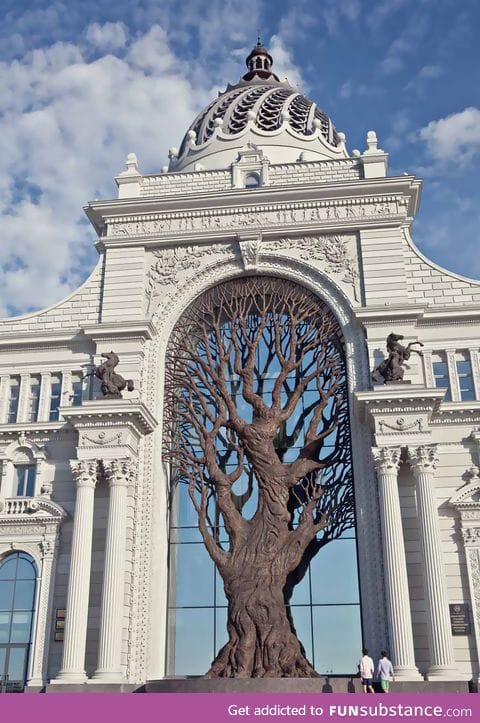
[(422, 459), (401, 425), (332, 250), (471, 536), (170, 262), (257, 216), (102, 439), (386, 459), (474, 558), (250, 250)]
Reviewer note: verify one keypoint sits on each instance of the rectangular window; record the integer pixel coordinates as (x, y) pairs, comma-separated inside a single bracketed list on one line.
[(77, 390), (55, 396), (465, 376), (13, 399), (24, 480), (33, 399), (441, 376)]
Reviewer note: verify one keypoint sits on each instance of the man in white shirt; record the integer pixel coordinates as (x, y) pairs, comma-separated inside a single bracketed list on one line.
[(385, 671), (366, 668)]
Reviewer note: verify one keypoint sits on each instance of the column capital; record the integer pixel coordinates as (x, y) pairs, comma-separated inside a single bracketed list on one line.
[(386, 459), (119, 472), (422, 459), (85, 472)]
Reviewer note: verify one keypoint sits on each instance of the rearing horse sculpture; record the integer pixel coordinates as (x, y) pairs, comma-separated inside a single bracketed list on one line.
[(391, 369)]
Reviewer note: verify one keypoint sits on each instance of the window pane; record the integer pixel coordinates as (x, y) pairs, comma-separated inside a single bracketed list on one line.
[(195, 575), (24, 594), (328, 586), (77, 392), (26, 569), (6, 594), (303, 626), (8, 568), (55, 397), (17, 663), (337, 638), (33, 399), (21, 626), (193, 634), (13, 400), (5, 619), (3, 655), (24, 483)]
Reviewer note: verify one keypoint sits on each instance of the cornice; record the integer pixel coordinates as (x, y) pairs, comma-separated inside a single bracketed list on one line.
[(32, 338), (110, 412), (451, 314), (143, 330)]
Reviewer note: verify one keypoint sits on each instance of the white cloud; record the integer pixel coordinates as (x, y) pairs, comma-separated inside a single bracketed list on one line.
[(284, 66), (455, 138), (108, 36), (66, 126)]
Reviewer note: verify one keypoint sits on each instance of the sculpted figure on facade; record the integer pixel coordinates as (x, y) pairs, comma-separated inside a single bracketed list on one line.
[(112, 383), (392, 369)]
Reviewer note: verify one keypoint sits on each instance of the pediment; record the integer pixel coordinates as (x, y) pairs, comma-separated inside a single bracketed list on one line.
[(468, 496)]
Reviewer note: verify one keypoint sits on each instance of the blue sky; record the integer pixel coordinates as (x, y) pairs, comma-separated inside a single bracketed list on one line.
[(82, 84)]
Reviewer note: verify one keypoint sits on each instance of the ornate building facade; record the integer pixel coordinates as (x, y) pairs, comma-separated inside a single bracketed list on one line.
[(102, 579)]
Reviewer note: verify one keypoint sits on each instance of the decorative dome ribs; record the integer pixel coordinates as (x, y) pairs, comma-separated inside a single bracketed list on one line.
[(271, 106)]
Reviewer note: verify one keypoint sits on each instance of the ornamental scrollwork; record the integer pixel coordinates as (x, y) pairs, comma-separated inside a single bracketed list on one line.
[(401, 425), (332, 250)]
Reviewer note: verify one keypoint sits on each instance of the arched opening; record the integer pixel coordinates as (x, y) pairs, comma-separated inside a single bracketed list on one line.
[(18, 574), (252, 180), (258, 438)]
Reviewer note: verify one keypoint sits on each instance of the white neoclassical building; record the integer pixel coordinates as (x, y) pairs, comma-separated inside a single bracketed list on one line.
[(103, 579)]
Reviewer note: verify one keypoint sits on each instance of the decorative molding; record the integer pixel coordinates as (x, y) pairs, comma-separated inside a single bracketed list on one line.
[(386, 459), (250, 251), (333, 250), (422, 459), (401, 425), (471, 536), (285, 214), (86, 472), (101, 438)]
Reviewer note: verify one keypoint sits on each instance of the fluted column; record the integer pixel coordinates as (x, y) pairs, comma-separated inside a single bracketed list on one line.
[(119, 474), (73, 664), (442, 659), (399, 617)]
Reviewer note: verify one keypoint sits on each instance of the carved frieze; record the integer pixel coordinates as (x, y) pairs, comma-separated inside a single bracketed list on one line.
[(255, 217), (471, 536)]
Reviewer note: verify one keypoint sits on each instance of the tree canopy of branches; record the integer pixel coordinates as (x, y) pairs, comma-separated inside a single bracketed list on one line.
[(256, 410)]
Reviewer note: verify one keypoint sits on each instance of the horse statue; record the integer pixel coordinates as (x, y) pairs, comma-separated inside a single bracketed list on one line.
[(391, 369), (112, 384)]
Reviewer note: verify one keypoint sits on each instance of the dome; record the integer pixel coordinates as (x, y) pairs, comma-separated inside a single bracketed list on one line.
[(260, 109)]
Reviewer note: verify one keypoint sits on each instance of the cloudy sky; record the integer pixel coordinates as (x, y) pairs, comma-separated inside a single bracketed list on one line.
[(82, 84)]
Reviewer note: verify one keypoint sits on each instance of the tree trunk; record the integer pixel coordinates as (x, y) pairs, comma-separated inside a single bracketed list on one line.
[(261, 642)]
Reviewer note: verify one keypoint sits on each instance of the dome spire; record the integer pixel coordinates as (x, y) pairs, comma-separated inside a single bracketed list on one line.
[(259, 63)]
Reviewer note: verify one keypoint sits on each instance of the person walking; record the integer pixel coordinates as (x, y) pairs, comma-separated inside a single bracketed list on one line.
[(366, 668), (385, 671)]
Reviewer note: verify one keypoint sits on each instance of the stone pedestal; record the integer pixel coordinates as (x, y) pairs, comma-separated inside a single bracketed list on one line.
[(396, 581)]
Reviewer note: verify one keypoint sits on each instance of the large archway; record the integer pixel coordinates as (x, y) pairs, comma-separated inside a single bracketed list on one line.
[(253, 353)]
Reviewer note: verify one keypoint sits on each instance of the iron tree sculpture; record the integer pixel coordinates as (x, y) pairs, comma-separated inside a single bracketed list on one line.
[(241, 362)]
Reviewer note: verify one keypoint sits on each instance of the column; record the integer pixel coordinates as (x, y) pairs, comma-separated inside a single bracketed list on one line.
[(119, 474), (4, 397), (49, 551), (452, 373), (73, 664), (387, 461), (442, 659)]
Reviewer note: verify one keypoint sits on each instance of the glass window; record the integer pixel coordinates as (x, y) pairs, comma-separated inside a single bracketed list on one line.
[(252, 180), (17, 600), (24, 480), (465, 377), (441, 376), (33, 399), (337, 638), (77, 390), (13, 399), (55, 396)]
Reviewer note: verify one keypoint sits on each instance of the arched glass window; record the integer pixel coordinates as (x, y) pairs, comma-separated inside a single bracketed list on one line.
[(252, 180), (17, 602), (323, 594)]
